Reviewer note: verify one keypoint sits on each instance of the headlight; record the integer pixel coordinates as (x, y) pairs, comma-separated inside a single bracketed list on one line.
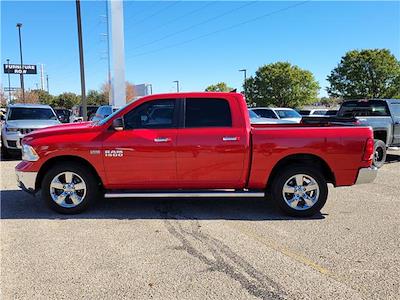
[(28, 153), (8, 129)]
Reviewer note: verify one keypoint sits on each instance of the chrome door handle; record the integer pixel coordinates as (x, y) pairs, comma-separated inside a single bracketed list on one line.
[(230, 138), (162, 140)]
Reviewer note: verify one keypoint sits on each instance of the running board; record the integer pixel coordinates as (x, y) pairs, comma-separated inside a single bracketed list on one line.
[(185, 195)]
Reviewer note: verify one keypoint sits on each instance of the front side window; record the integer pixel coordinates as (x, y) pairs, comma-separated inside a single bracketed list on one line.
[(156, 114), (31, 113), (207, 112)]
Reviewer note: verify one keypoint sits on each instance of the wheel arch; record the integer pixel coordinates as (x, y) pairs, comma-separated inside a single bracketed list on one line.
[(381, 134), (60, 159), (306, 159)]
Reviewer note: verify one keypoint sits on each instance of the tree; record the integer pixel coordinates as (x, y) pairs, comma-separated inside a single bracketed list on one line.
[(219, 87), (66, 100), (96, 98), (329, 101), (129, 90), (3, 98), (282, 84), (366, 74)]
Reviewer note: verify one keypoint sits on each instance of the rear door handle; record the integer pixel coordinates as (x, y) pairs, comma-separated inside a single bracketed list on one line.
[(162, 140), (230, 138)]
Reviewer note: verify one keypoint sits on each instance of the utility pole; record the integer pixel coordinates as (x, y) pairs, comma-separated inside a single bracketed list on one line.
[(47, 81), (9, 84), (19, 25), (177, 85), (108, 57), (81, 62)]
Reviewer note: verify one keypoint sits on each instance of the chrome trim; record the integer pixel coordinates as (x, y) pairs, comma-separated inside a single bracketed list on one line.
[(366, 175), (186, 195), (27, 180), (230, 138)]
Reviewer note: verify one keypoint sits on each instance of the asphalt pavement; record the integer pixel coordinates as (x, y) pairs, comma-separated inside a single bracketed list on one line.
[(204, 248)]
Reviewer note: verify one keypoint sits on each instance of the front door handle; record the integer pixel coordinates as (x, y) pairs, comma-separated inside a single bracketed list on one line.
[(230, 138), (162, 140)]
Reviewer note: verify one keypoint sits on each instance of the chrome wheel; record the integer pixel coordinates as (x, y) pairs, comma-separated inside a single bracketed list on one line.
[(68, 189), (300, 191)]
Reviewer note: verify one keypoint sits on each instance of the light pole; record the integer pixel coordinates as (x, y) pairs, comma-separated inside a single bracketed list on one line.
[(177, 85), (47, 81), (81, 62), (9, 85), (19, 25)]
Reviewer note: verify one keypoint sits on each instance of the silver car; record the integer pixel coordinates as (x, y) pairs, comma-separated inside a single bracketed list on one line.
[(256, 119), (279, 113), (22, 119)]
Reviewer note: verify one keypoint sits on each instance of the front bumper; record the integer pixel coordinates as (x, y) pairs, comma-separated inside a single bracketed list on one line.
[(366, 175), (12, 140), (27, 181)]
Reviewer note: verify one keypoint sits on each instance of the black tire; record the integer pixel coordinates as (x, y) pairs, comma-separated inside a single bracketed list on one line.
[(379, 153), (92, 187), (301, 209), (4, 151)]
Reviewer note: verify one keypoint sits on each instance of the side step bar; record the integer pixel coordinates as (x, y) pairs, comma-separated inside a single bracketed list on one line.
[(209, 194)]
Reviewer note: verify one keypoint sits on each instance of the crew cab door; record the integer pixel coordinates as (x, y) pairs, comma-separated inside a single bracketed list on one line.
[(142, 155), (394, 106), (211, 146)]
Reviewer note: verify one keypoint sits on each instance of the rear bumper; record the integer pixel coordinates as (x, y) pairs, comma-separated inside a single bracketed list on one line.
[(27, 181), (366, 175)]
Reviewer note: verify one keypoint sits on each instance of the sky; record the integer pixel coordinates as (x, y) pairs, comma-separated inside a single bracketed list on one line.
[(196, 42)]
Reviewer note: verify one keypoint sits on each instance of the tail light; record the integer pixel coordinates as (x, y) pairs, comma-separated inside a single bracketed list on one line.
[(369, 150)]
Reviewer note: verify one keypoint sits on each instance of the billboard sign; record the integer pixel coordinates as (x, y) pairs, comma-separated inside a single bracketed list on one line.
[(16, 69)]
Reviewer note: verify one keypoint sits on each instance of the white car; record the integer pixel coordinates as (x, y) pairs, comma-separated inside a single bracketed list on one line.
[(22, 119), (256, 119), (280, 113)]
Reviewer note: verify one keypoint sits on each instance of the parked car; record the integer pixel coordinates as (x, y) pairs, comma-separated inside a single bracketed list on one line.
[(384, 118), (256, 119), (77, 115), (331, 112), (313, 112), (281, 113), (202, 146), (103, 112), (63, 114), (22, 119)]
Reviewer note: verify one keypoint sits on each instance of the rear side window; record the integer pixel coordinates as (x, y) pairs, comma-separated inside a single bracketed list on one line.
[(207, 112), (371, 108), (395, 107), (265, 113)]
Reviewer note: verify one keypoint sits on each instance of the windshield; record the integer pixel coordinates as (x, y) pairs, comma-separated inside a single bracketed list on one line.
[(253, 115), (115, 111), (31, 113), (287, 113)]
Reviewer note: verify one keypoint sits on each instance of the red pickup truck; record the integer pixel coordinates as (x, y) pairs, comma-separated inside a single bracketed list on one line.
[(193, 145)]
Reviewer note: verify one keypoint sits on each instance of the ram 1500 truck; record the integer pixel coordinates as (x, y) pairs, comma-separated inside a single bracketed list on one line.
[(193, 145)]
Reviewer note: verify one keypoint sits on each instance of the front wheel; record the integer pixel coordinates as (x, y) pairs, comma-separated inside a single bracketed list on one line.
[(300, 191), (69, 188)]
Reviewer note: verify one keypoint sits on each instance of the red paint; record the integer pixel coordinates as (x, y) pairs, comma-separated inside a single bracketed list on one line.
[(198, 158)]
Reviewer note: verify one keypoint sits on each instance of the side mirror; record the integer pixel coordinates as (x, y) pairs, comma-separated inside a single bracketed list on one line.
[(118, 124)]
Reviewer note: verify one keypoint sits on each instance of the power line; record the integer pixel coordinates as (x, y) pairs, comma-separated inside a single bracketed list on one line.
[(195, 25), (177, 18), (156, 13), (222, 29)]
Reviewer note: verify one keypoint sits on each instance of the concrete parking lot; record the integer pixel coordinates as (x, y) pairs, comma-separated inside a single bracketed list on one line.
[(204, 248)]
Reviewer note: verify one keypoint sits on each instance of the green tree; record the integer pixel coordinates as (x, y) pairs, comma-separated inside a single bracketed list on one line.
[(44, 97), (96, 98), (282, 84), (370, 73), (66, 100), (219, 87)]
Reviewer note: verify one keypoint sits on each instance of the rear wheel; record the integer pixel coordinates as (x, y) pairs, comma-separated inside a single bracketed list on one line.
[(300, 191), (379, 153), (69, 188)]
